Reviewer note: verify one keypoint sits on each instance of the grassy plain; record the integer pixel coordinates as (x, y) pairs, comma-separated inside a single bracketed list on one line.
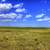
[(24, 38)]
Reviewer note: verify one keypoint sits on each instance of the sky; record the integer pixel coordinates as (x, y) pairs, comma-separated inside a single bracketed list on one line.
[(25, 13)]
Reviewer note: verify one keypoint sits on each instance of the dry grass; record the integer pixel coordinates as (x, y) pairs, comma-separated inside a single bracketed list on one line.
[(24, 39)]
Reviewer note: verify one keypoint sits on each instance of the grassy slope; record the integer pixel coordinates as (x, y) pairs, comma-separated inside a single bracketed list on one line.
[(24, 38)]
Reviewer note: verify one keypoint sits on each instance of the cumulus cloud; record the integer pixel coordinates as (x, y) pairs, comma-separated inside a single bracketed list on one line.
[(5, 6), (48, 21), (19, 16), (10, 15), (21, 10), (3, 0), (24, 20), (28, 16), (44, 19), (20, 5), (40, 15), (6, 20)]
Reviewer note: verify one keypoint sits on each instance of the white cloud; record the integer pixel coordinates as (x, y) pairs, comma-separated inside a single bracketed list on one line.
[(10, 15), (44, 19), (28, 16), (40, 15), (5, 6), (20, 5), (6, 20), (21, 10), (24, 20), (3, 0), (48, 21), (19, 16)]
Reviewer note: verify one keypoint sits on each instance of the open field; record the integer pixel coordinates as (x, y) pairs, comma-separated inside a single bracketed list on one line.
[(24, 39)]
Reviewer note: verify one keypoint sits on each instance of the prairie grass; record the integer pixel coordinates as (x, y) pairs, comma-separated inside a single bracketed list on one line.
[(24, 39)]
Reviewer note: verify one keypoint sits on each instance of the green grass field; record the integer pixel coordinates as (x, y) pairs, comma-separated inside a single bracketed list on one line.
[(24, 38)]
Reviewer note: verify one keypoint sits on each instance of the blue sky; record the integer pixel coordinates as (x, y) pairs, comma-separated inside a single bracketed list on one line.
[(25, 13)]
